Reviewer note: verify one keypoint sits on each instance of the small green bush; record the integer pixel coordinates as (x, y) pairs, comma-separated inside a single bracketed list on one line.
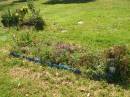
[(10, 19), (35, 19), (39, 23), (13, 18), (17, 18), (65, 53), (95, 67), (115, 67)]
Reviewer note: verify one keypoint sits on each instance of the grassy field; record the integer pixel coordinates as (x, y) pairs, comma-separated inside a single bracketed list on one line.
[(95, 25)]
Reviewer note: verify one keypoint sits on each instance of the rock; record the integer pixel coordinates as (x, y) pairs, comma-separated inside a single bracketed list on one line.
[(88, 95), (63, 31), (80, 22)]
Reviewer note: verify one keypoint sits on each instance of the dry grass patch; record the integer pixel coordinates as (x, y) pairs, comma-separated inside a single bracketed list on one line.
[(47, 82)]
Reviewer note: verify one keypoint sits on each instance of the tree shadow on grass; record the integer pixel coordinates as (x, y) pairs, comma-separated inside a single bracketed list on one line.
[(19, 1), (67, 1)]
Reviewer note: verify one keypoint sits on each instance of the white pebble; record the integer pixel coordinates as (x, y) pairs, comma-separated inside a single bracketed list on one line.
[(63, 31), (88, 95), (80, 22)]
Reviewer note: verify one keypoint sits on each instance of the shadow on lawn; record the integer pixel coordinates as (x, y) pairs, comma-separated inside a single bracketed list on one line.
[(19, 1), (67, 1)]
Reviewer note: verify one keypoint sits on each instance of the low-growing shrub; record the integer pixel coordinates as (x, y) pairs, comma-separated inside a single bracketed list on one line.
[(117, 62), (114, 69), (95, 67), (64, 53), (17, 18), (89, 60), (35, 19), (71, 54), (13, 18), (39, 23), (96, 74), (10, 19)]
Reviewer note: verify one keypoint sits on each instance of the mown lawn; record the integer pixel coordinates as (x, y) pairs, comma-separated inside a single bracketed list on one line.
[(95, 25)]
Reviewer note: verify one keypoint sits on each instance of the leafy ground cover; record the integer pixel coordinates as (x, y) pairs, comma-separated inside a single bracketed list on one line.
[(94, 25)]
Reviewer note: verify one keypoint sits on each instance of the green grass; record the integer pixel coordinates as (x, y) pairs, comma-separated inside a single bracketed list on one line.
[(105, 23)]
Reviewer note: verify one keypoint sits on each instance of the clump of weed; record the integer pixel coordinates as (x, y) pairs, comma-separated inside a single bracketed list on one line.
[(117, 62), (39, 23), (22, 42), (94, 66), (60, 53), (71, 48), (17, 17), (36, 20), (113, 67), (10, 19), (24, 39), (63, 53), (89, 60), (71, 54)]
